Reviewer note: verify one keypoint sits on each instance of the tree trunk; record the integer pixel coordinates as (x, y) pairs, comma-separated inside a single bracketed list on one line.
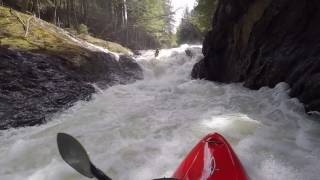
[(125, 14), (85, 11), (68, 13), (38, 9), (55, 12)]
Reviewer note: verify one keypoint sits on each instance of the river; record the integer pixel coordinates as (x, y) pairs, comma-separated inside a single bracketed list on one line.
[(143, 130)]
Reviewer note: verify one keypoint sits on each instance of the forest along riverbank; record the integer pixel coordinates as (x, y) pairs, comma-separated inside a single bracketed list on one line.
[(143, 130)]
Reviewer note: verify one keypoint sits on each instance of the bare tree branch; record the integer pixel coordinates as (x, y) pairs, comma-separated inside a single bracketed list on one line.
[(18, 18), (26, 25)]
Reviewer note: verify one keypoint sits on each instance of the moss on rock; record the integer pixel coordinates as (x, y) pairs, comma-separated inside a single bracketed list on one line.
[(112, 46), (46, 38)]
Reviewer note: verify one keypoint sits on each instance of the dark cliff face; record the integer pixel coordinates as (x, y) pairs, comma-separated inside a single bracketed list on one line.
[(264, 42), (34, 86)]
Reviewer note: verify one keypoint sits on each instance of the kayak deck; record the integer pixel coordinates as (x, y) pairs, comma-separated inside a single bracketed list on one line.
[(211, 159)]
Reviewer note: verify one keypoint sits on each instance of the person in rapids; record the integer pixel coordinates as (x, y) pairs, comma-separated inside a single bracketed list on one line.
[(156, 53)]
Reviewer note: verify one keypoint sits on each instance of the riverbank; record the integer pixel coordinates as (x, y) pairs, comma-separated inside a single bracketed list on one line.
[(45, 69)]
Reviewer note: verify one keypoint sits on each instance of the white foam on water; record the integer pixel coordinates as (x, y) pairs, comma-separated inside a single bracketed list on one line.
[(143, 130)]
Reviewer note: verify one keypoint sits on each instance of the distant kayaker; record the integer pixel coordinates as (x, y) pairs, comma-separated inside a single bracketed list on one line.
[(156, 53)]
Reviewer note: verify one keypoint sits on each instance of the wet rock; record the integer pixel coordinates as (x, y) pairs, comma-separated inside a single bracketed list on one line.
[(136, 52), (264, 42), (130, 68), (188, 52), (34, 86)]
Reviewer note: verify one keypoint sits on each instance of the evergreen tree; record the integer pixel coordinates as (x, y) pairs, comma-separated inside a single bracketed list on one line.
[(138, 24), (188, 32), (203, 13)]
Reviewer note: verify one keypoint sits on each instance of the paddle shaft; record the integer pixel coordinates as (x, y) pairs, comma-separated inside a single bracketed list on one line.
[(98, 173)]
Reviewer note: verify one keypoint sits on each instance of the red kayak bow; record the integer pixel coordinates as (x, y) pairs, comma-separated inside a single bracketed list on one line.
[(211, 159)]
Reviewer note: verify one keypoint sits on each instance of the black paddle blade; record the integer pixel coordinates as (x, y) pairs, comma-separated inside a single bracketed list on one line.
[(73, 153)]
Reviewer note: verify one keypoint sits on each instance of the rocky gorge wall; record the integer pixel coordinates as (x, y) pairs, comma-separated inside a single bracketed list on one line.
[(264, 42), (46, 70), (34, 86)]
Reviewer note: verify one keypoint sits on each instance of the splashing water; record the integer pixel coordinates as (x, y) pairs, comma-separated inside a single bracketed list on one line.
[(143, 130)]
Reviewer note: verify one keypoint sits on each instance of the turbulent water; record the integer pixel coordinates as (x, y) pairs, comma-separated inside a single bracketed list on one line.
[(143, 130)]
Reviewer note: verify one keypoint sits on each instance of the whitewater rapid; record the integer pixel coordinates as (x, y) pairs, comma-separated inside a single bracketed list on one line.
[(143, 130)]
